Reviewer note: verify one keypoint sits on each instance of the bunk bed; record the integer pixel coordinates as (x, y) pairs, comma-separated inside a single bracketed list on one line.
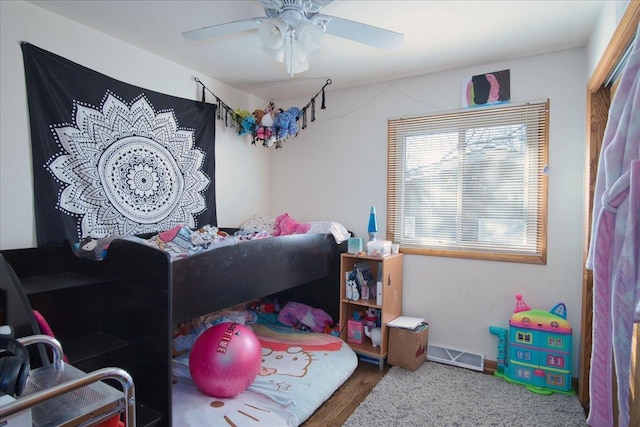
[(121, 310)]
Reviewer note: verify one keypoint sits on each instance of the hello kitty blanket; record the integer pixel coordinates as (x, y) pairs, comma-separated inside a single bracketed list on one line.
[(300, 370)]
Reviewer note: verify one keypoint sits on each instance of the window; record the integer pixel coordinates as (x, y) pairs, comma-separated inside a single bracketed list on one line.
[(470, 183)]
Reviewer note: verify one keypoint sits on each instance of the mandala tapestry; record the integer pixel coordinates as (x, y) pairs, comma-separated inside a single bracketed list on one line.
[(110, 158)]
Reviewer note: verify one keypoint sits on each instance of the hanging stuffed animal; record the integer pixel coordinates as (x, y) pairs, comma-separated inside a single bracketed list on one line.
[(263, 134), (245, 121), (286, 124), (264, 123), (257, 115), (248, 125), (269, 115)]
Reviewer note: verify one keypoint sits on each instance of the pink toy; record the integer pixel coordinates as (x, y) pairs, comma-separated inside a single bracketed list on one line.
[(286, 225), (225, 360), (371, 317)]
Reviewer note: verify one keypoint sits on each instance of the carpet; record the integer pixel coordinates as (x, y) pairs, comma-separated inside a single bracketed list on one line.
[(443, 395)]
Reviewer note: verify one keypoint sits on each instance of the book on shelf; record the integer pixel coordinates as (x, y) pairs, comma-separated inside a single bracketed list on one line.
[(365, 279)]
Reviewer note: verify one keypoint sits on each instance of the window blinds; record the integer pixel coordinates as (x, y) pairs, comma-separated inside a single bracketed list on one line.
[(470, 183)]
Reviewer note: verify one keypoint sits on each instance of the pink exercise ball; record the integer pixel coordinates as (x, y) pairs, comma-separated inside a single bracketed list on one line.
[(225, 359)]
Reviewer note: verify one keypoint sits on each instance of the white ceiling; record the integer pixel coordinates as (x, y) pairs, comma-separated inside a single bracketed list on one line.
[(439, 36)]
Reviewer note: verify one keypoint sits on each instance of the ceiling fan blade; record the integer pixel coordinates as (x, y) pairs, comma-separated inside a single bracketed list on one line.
[(222, 29), (323, 3), (362, 33)]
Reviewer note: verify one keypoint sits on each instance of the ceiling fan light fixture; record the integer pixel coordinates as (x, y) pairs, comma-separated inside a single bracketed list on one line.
[(296, 58), (277, 54), (273, 32), (309, 37)]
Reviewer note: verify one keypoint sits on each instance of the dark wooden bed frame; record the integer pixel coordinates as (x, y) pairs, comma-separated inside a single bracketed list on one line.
[(121, 311)]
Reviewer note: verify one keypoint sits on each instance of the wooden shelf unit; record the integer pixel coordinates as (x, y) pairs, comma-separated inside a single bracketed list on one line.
[(389, 269)]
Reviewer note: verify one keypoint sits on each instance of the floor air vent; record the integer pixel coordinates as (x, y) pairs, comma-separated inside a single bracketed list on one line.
[(449, 356)]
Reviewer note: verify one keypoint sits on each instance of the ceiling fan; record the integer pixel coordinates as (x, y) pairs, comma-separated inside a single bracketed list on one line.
[(292, 31)]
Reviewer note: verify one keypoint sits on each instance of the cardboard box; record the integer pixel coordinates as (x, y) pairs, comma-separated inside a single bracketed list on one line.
[(408, 347), (355, 331)]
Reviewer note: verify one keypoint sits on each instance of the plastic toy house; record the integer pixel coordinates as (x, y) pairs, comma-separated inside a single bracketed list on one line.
[(538, 354)]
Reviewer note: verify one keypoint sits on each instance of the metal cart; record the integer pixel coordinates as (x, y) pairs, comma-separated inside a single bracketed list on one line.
[(62, 395)]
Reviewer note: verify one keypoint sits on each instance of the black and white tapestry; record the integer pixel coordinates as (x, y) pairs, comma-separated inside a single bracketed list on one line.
[(110, 158)]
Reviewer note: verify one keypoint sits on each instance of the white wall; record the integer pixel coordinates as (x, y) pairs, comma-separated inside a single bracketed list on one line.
[(242, 170), (336, 169), (608, 19)]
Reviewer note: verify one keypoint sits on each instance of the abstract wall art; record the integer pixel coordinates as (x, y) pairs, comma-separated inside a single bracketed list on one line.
[(486, 89)]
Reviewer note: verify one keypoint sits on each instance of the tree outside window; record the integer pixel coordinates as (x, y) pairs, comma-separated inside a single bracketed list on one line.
[(470, 183)]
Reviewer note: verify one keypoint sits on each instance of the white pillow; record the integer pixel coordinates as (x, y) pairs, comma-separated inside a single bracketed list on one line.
[(258, 223), (339, 232)]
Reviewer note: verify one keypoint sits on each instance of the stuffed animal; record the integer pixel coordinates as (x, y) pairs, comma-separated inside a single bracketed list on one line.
[(264, 135), (270, 140), (257, 115), (93, 248), (267, 120), (238, 114), (269, 115), (286, 225), (375, 334), (264, 306), (371, 317), (285, 123), (248, 125)]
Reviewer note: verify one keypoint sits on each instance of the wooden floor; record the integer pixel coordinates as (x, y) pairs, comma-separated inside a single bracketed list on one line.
[(336, 410)]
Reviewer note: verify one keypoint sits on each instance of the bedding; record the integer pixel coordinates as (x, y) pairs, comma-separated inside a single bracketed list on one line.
[(300, 370), (261, 222), (181, 241)]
